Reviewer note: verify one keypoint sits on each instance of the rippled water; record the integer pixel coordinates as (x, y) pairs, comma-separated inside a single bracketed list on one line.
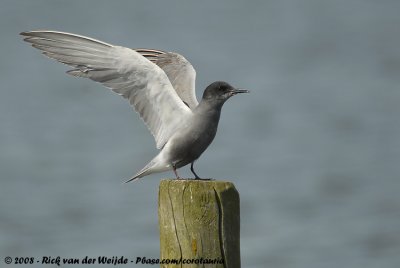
[(314, 150)]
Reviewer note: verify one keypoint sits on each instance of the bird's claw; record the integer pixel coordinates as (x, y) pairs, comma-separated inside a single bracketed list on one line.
[(201, 179)]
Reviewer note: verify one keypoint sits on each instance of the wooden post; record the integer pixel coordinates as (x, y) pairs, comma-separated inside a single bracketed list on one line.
[(199, 221)]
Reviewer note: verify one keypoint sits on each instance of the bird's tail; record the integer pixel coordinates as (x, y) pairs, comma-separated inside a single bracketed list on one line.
[(152, 167)]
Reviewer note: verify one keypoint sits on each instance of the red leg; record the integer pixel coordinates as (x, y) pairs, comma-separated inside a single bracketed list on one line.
[(176, 172)]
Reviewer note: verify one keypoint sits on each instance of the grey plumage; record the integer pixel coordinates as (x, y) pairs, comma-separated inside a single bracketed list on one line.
[(159, 85)]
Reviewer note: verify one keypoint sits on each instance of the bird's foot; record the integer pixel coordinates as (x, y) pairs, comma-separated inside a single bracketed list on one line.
[(201, 179)]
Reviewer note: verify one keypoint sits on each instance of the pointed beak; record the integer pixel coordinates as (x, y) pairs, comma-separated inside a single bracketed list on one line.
[(237, 91)]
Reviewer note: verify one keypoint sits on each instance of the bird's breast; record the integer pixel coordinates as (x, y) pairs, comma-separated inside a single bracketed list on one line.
[(191, 140)]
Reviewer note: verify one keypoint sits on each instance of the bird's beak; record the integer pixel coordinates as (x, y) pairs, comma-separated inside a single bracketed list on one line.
[(237, 91)]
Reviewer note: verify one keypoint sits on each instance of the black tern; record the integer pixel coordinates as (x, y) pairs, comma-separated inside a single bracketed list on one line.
[(159, 85)]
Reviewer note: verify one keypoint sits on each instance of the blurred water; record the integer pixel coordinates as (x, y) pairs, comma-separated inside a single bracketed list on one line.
[(314, 150)]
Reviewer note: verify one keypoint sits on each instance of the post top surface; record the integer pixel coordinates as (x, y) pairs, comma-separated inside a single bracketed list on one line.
[(203, 184)]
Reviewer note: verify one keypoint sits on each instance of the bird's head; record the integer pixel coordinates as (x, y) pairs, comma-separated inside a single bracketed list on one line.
[(219, 92)]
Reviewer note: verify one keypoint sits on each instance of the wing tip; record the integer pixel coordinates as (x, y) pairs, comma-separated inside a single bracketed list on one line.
[(32, 33), (43, 34)]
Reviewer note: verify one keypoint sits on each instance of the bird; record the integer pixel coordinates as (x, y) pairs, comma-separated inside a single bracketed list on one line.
[(159, 85)]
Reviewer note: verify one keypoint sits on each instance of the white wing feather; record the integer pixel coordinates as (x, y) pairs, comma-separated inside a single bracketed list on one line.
[(179, 71), (124, 71)]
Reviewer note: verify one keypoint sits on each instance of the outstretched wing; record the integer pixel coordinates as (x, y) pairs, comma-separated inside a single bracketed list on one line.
[(179, 71), (124, 71)]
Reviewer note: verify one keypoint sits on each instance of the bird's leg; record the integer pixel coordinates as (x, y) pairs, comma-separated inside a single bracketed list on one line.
[(196, 176), (176, 172)]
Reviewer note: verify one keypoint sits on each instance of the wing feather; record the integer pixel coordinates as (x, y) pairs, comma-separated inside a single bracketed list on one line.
[(179, 71), (144, 84)]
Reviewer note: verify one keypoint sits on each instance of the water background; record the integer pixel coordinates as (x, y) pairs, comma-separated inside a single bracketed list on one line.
[(314, 150)]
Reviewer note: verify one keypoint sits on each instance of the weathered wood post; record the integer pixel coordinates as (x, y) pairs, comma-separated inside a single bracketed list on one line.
[(199, 222)]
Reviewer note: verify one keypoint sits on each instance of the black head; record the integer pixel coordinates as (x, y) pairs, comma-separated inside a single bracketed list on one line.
[(220, 91)]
